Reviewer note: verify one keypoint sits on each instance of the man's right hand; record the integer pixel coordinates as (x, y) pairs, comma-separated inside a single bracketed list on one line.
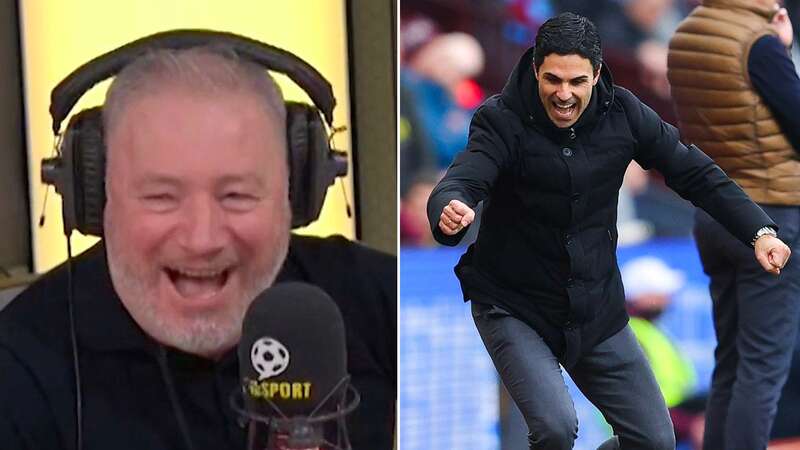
[(783, 26), (455, 217)]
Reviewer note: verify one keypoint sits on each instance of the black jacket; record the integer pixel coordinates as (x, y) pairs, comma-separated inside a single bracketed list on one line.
[(546, 248), (125, 399)]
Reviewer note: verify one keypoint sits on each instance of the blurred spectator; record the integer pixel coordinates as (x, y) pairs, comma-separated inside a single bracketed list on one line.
[(530, 12), (650, 285), (414, 228), (524, 18), (643, 21), (415, 31), (416, 153), (434, 80), (416, 150), (635, 34)]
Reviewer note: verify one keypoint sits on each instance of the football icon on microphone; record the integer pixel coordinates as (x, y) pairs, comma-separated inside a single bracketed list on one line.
[(269, 357)]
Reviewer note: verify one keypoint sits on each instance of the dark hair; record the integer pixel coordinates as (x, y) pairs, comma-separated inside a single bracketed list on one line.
[(567, 34)]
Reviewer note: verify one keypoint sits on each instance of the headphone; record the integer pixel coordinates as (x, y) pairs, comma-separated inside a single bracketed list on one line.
[(78, 170)]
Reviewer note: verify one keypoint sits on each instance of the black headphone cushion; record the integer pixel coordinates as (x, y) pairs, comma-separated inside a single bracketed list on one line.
[(308, 151), (89, 155)]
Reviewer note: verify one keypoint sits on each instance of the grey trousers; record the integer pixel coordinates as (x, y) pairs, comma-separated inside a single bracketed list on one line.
[(756, 320), (615, 376)]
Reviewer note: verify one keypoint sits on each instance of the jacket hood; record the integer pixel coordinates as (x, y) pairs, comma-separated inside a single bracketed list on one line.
[(521, 94)]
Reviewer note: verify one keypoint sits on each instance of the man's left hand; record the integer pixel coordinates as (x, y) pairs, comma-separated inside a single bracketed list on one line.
[(772, 253)]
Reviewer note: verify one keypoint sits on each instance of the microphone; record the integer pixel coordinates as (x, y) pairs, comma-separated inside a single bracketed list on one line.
[(293, 366)]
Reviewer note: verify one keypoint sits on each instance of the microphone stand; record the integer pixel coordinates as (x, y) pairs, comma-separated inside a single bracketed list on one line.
[(298, 432)]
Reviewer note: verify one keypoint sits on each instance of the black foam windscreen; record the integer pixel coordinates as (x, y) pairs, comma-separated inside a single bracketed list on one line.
[(292, 351)]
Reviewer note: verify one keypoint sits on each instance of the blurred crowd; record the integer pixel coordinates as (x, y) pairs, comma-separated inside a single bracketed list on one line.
[(455, 53)]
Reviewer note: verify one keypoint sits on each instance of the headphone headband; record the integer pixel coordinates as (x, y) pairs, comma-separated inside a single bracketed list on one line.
[(68, 91)]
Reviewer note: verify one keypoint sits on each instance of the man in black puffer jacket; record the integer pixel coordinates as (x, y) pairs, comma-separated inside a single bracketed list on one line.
[(547, 157)]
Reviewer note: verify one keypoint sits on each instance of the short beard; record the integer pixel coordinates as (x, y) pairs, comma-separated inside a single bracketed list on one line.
[(203, 335)]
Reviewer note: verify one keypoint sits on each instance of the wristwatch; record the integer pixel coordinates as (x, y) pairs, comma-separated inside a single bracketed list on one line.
[(763, 231)]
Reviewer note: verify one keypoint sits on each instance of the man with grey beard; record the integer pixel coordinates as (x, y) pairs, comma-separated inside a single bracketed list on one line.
[(197, 223)]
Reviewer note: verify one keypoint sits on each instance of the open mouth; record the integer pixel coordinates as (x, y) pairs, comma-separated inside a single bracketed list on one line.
[(564, 111), (198, 283)]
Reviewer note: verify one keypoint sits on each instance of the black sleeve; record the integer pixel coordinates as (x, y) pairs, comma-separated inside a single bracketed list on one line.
[(692, 174), (773, 76), (473, 172)]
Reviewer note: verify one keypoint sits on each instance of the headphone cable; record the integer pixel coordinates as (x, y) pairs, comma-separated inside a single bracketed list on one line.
[(74, 339)]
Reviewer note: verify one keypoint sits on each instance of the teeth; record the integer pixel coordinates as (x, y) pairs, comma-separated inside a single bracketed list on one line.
[(199, 273), (198, 283)]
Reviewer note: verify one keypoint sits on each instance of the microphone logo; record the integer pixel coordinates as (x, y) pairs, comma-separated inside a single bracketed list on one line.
[(269, 357)]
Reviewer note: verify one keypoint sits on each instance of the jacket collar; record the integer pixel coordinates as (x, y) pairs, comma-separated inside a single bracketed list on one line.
[(521, 94), (748, 5)]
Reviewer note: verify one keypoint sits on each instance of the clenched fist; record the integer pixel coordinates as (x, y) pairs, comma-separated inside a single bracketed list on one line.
[(772, 253), (455, 217)]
